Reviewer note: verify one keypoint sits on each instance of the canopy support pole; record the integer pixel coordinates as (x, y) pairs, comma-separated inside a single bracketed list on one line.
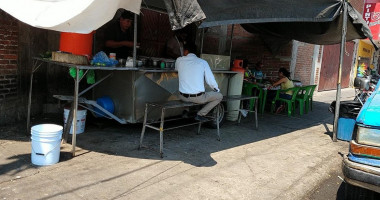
[(342, 49), (232, 34), (134, 40), (202, 37)]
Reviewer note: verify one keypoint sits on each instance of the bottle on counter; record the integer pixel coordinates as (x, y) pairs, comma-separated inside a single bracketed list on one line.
[(162, 65), (113, 56)]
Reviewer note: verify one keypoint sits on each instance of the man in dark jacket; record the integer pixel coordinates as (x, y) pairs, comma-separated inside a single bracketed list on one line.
[(119, 36)]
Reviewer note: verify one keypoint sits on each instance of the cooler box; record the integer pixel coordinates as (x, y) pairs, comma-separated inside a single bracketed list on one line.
[(345, 128)]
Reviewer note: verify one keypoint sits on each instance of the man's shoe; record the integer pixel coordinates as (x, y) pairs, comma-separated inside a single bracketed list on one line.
[(201, 118)]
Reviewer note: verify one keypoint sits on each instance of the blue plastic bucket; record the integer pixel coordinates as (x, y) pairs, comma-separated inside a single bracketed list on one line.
[(345, 128), (106, 103)]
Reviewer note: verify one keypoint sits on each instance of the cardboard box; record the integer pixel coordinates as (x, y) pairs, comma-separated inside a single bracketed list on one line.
[(69, 58)]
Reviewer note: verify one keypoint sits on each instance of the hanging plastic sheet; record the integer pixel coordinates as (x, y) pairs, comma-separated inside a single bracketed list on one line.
[(183, 12)]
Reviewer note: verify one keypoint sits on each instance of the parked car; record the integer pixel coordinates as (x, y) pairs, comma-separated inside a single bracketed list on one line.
[(361, 167)]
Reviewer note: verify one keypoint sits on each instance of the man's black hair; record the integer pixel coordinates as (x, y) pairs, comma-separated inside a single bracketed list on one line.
[(191, 47), (127, 15)]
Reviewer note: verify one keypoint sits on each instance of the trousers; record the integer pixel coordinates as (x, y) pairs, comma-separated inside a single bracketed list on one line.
[(211, 98)]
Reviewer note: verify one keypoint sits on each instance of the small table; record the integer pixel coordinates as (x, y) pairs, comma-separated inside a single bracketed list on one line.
[(264, 91), (180, 104)]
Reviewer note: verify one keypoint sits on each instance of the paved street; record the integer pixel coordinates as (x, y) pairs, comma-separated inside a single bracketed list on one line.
[(287, 158)]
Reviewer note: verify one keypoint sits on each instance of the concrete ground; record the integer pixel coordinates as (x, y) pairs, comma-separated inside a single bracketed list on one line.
[(286, 158)]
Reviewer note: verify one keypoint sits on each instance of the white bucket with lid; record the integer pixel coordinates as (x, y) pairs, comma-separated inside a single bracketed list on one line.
[(46, 143), (81, 119)]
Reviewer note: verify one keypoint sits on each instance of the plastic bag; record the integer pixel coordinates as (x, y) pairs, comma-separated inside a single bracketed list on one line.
[(101, 59), (90, 76), (73, 72)]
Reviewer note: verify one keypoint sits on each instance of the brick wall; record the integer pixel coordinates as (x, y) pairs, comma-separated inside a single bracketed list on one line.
[(304, 63), (19, 43), (9, 73), (358, 5), (246, 45), (8, 57)]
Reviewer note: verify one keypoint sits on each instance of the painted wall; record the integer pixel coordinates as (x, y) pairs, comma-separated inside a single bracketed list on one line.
[(364, 57), (304, 57)]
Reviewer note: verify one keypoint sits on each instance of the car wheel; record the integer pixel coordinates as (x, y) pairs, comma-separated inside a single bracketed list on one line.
[(352, 192)]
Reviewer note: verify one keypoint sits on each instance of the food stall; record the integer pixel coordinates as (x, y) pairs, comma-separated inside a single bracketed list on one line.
[(130, 88)]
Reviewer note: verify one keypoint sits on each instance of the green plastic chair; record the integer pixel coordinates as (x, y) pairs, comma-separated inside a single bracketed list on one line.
[(247, 90), (302, 98), (290, 102), (309, 101)]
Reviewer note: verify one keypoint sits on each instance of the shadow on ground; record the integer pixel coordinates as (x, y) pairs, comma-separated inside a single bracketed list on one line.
[(183, 144), (335, 188)]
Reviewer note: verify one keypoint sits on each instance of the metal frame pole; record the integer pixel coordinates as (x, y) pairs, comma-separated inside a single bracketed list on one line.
[(232, 34), (342, 47), (144, 125), (75, 105), (34, 68), (202, 37), (134, 40), (256, 120), (217, 121), (29, 104), (162, 132)]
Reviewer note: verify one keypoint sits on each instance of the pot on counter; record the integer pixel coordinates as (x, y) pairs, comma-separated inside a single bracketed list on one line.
[(149, 62), (170, 65), (154, 63), (122, 62)]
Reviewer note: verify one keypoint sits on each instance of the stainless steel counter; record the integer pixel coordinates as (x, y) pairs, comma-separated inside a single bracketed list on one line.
[(130, 90)]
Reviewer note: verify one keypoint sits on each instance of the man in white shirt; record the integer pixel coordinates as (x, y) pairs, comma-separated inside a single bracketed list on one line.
[(192, 72)]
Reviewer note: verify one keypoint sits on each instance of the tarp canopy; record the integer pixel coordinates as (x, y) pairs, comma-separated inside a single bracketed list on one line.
[(262, 11), (77, 16), (279, 21), (276, 34)]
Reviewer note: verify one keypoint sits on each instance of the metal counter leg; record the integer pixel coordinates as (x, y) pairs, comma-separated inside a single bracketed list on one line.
[(162, 132), (264, 100), (75, 111), (217, 121), (29, 104), (199, 128), (67, 127), (239, 112), (34, 68), (144, 125), (256, 121)]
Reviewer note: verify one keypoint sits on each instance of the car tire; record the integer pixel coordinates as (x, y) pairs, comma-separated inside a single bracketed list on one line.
[(352, 192)]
